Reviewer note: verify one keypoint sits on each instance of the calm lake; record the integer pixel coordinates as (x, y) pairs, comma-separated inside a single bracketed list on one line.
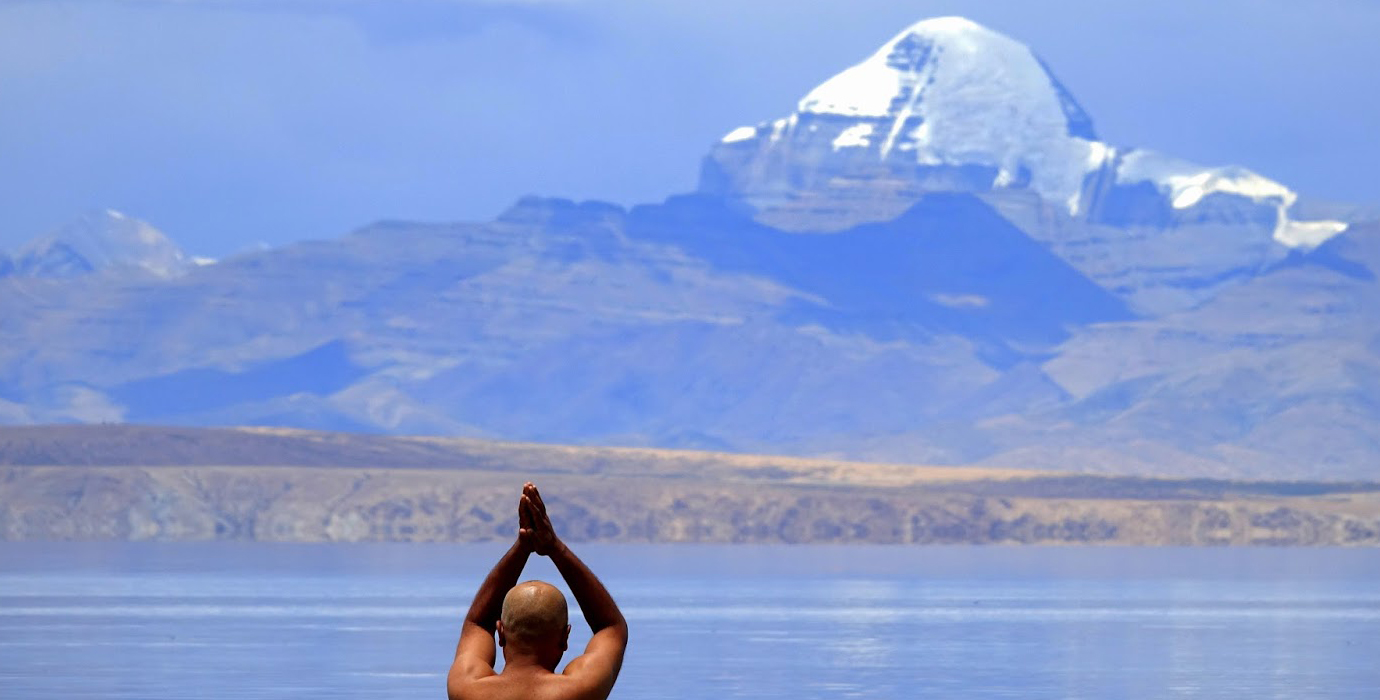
[(152, 621)]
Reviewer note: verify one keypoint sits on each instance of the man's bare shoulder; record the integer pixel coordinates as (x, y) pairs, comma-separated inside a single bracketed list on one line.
[(527, 686)]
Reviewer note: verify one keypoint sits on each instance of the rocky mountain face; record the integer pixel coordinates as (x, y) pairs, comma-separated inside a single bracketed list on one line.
[(683, 323), (982, 280)]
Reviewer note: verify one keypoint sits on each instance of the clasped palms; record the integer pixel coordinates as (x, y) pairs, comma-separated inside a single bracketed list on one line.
[(535, 533)]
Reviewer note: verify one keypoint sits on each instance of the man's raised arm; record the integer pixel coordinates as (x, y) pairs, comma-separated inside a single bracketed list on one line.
[(475, 654), (603, 656)]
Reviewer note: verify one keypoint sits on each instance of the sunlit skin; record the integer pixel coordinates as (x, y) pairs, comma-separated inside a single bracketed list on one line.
[(530, 622)]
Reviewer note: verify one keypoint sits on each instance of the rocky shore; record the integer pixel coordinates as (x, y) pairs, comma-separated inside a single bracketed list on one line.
[(156, 483), (320, 504)]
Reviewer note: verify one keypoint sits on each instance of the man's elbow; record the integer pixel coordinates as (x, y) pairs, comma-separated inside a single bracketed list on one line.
[(620, 629), (485, 626), (616, 629), (454, 685)]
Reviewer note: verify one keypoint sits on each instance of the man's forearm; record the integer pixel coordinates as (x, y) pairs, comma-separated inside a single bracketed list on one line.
[(599, 609), (488, 602)]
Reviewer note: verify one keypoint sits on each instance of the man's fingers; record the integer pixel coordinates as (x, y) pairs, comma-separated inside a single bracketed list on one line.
[(537, 517), (531, 507), (530, 491)]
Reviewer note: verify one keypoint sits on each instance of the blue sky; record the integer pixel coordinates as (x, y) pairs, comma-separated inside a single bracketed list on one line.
[(232, 123)]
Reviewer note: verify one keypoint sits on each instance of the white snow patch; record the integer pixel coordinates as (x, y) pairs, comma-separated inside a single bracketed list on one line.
[(742, 133), (1099, 154), (1186, 184), (855, 136), (1190, 189), (867, 89), (1307, 234), (780, 126)]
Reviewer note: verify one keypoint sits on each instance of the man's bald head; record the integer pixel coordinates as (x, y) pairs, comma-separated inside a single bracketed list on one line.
[(534, 611)]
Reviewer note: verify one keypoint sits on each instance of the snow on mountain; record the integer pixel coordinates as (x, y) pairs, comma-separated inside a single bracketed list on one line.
[(948, 91), (951, 105), (101, 240), (1186, 185)]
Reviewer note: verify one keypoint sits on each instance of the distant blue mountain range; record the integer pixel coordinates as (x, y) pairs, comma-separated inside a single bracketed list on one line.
[(891, 276)]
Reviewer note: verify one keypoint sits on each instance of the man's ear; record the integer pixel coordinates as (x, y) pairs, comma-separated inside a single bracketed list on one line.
[(565, 639), (502, 640)]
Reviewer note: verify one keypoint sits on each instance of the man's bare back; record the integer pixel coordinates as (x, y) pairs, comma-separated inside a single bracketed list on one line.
[(530, 622)]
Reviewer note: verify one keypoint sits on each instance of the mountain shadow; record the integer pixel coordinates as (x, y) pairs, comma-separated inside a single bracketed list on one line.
[(949, 264), (321, 371)]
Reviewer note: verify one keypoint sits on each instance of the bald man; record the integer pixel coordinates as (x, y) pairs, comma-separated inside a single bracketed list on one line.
[(531, 622)]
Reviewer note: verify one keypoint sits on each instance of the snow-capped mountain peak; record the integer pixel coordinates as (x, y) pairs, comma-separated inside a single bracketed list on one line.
[(946, 94), (949, 63), (948, 104), (100, 240)]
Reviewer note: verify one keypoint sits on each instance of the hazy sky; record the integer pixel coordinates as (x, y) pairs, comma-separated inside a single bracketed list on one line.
[(229, 123)]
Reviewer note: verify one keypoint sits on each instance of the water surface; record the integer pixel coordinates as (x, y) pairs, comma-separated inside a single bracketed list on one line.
[(154, 621)]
